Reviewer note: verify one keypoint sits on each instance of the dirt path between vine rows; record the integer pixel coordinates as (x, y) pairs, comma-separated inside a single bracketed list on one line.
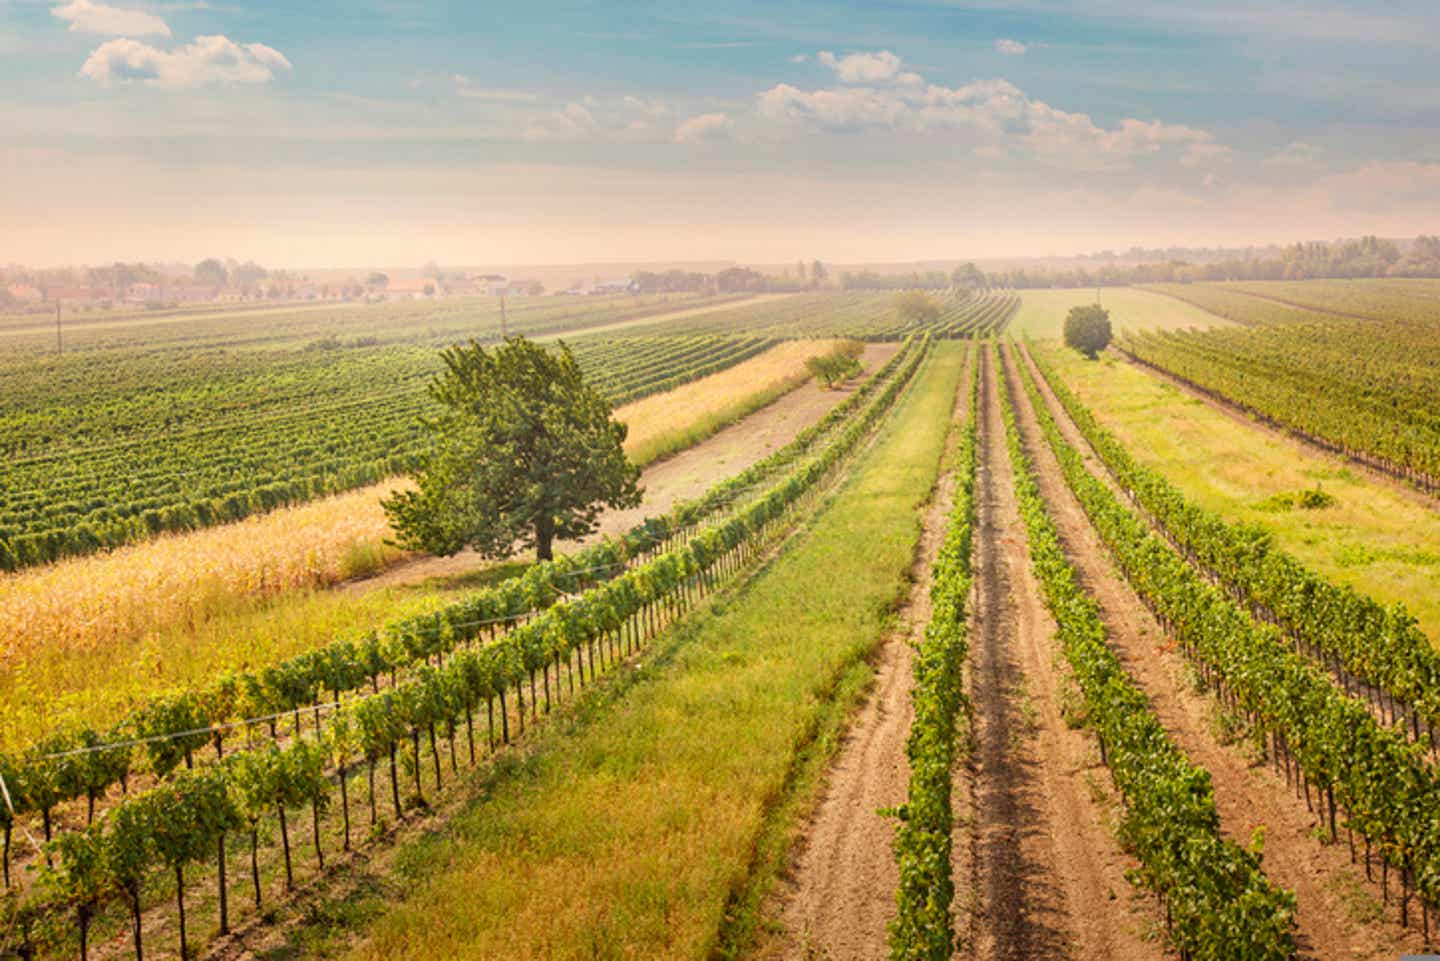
[(1337, 915), (684, 476), (837, 896), (1045, 877)]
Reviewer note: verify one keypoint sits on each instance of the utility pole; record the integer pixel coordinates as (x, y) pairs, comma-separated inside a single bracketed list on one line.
[(59, 346), (503, 334), (1097, 296)]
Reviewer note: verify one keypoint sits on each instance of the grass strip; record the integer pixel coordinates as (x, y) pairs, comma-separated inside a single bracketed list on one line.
[(642, 837), (923, 927)]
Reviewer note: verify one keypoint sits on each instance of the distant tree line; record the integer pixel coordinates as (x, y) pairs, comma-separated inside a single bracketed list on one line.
[(1365, 257), (730, 280)]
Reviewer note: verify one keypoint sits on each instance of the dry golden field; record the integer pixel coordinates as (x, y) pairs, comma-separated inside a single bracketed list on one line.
[(152, 615)]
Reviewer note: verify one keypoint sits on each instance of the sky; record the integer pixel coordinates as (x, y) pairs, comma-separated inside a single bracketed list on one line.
[(391, 132)]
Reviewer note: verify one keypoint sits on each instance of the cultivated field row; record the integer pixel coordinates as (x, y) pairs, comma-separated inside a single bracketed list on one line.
[(617, 609)]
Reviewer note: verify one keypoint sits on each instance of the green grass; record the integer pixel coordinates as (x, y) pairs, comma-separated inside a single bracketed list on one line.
[(639, 832), (1374, 538), (1042, 312)]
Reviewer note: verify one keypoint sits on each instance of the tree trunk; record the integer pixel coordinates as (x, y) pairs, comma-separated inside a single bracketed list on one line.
[(394, 782), (544, 537), (315, 831)]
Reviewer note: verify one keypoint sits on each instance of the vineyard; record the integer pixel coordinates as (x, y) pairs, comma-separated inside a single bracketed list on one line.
[(963, 667), (1372, 353), (220, 448), (859, 316), (160, 443), (601, 603)]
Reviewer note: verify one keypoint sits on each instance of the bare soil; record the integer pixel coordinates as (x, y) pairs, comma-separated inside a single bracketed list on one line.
[(1338, 915), (837, 896), (684, 476), (1046, 876)]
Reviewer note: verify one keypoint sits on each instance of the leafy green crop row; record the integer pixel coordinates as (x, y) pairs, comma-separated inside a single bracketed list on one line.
[(1219, 904), (190, 454), (923, 928), (1380, 646), (167, 731), (1374, 774), (113, 855), (1362, 387), (854, 315)]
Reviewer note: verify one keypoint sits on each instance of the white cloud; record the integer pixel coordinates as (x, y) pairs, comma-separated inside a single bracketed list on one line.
[(799, 58), (495, 94), (85, 16), (707, 126), (873, 67), (206, 61), (1011, 48), (996, 114), (1297, 155)]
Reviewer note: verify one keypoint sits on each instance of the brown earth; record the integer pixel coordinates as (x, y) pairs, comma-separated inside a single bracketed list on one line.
[(686, 475), (1046, 877), (1338, 914), (837, 897)]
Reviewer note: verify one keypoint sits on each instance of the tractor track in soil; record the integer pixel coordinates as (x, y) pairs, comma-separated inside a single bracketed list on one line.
[(837, 896), (1338, 915), (1046, 877)]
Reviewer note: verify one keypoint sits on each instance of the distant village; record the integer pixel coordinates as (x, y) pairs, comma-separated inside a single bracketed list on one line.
[(140, 286)]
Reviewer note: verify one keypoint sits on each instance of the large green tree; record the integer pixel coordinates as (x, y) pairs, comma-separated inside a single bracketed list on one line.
[(524, 452), (1087, 329)]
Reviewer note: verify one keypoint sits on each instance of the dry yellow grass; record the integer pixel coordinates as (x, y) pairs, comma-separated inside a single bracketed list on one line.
[(185, 579), (654, 418), (83, 637)]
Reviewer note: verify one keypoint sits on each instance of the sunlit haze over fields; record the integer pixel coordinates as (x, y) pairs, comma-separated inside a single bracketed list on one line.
[(325, 134)]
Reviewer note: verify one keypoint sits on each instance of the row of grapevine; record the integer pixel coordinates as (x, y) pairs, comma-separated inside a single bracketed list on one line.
[(1218, 902), (1325, 740), (109, 859), (1360, 387), (1347, 632), (151, 462), (856, 315), (218, 339), (923, 928), (167, 732), (987, 314), (1412, 300)]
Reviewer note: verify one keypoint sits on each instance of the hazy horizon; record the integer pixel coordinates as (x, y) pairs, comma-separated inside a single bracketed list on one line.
[(568, 133)]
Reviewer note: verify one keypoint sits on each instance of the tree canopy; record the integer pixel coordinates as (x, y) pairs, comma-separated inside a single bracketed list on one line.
[(917, 307), (1087, 329), (524, 452), (212, 272)]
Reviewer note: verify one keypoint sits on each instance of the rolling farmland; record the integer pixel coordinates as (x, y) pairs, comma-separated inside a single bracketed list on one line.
[(1006, 653), (161, 443), (1355, 383)]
